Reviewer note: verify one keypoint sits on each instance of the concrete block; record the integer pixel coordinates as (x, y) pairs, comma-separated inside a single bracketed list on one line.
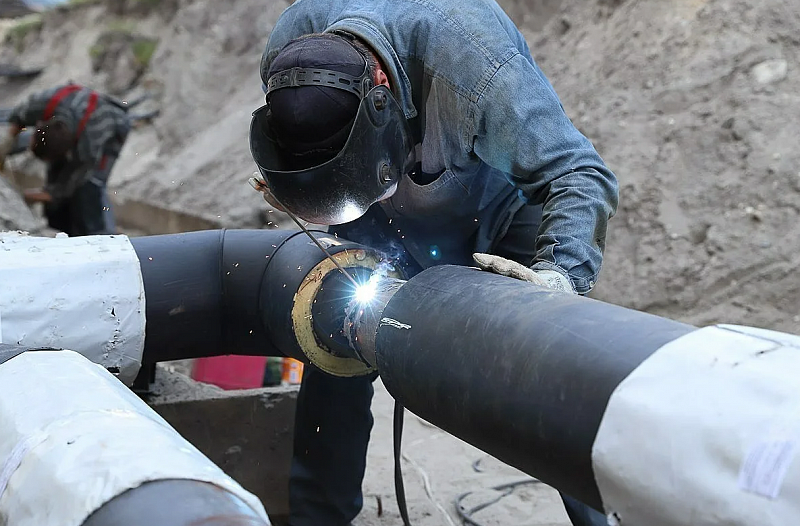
[(247, 433)]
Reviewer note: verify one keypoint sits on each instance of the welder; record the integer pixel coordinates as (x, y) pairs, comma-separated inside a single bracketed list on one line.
[(79, 134), (427, 130)]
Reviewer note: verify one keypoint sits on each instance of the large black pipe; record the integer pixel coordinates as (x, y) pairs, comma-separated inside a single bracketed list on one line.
[(521, 372), (218, 292), (202, 292)]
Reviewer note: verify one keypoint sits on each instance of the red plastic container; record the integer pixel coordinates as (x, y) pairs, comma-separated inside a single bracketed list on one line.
[(231, 372)]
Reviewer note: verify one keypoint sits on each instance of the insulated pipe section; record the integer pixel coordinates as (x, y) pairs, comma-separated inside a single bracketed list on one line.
[(203, 292), (655, 422), (78, 448), (247, 292), (519, 371), (83, 293)]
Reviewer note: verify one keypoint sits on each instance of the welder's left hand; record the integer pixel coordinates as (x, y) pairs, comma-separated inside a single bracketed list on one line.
[(505, 267), (258, 183)]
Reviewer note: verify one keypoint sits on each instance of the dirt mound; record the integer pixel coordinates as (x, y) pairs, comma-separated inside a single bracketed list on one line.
[(202, 68), (694, 104)]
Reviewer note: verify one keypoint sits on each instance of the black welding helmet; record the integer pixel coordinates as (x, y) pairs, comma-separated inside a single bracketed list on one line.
[(334, 180)]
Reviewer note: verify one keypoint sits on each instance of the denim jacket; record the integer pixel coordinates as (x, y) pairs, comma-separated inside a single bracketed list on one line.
[(490, 130)]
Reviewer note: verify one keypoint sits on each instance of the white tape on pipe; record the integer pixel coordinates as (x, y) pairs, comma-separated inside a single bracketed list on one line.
[(705, 432), (72, 438), (83, 293)]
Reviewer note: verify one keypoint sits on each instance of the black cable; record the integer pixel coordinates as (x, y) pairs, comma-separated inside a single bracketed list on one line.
[(399, 488), (507, 489)]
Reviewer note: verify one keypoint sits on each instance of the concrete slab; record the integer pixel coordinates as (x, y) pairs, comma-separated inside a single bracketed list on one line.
[(247, 433)]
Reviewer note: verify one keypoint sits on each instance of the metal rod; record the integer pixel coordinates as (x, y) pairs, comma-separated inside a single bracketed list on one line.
[(261, 186), (338, 266)]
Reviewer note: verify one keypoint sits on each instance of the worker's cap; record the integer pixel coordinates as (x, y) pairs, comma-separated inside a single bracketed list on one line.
[(314, 119)]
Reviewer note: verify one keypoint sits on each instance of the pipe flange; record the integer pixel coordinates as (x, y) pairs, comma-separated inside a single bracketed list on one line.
[(302, 324)]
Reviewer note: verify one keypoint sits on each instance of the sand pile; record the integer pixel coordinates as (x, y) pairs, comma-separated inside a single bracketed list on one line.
[(695, 105)]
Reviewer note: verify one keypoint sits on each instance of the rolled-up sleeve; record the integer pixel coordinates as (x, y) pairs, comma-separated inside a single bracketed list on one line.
[(521, 129)]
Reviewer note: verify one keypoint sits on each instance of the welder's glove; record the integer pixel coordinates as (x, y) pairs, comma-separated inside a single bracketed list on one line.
[(505, 267)]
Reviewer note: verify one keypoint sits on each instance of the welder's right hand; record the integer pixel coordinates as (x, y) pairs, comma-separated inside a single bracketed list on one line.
[(260, 184)]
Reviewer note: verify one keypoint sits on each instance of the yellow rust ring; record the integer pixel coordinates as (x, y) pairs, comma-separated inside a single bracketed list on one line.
[(302, 322)]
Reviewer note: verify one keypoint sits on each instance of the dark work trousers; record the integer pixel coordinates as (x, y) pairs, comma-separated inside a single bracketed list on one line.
[(87, 212), (333, 424), (91, 210)]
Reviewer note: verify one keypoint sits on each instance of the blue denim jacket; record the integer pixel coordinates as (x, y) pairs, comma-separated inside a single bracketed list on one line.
[(489, 126)]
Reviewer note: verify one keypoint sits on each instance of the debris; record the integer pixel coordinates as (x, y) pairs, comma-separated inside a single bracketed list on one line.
[(770, 71)]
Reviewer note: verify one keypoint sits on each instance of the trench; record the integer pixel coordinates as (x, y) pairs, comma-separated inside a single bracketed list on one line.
[(134, 217)]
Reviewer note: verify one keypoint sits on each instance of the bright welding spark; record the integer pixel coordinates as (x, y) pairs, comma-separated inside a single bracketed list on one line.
[(365, 292)]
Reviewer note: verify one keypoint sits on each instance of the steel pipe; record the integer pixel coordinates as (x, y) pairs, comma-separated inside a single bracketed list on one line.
[(247, 292), (202, 292), (175, 503)]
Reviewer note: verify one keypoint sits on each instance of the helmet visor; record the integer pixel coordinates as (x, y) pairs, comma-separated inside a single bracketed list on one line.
[(341, 189)]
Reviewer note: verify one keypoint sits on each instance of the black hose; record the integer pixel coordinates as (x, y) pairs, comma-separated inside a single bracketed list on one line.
[(399, 487), (467, 514)]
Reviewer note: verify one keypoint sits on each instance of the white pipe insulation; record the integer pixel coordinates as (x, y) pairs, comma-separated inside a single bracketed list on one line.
[(72, 438), (82, 293)]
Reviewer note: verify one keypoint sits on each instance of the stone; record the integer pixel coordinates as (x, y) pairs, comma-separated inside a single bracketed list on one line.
[(247, 433), (770, 71)]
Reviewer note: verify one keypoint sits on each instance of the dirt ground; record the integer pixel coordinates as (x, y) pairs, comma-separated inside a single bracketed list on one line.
[(693, 103), (437, 469)]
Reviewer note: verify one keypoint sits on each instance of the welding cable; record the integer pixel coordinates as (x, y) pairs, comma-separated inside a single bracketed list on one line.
[(399, 488), (507, 489)]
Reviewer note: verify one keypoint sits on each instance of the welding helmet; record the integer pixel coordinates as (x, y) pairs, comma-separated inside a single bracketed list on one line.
[(335, 177)]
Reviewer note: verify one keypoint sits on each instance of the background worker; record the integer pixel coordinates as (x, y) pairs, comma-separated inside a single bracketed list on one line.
[(79, 134)]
